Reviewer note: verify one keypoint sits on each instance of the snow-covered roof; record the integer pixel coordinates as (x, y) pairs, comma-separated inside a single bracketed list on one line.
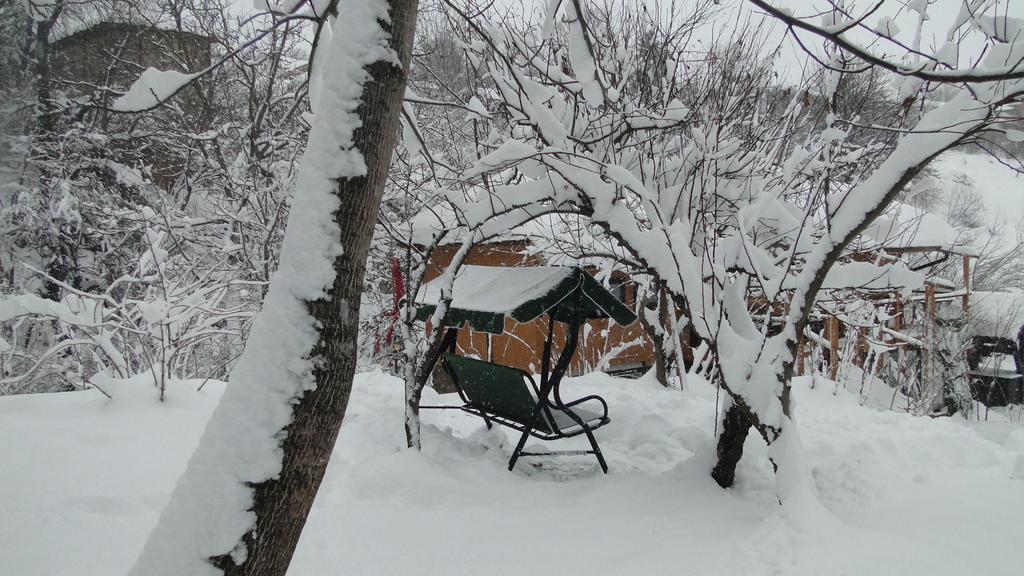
[(906, 227), (483, 296), (496, 289), (146, 15)]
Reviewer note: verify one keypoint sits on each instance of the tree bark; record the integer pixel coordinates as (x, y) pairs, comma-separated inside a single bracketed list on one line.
[(43, 145), (736, 425), (657, 334), (419, 368), (45, 119), (414, 392), (282, 504)]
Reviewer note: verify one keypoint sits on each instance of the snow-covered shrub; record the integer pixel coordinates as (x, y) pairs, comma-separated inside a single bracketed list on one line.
[(172, 317)]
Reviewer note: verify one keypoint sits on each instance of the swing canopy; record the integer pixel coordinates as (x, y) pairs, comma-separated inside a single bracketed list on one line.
[(482, 296)]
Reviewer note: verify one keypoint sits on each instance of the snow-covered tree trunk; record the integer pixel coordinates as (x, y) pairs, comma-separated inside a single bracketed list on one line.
[(734, 428), (244, 498), (418, 368), (654, 320), (44, 16)]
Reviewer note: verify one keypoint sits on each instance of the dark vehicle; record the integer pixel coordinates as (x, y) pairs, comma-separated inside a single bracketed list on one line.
[(995, 371)]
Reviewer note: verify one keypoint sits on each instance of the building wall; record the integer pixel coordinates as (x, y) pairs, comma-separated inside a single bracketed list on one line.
[(104, 60), (112, 55), (522, 345)]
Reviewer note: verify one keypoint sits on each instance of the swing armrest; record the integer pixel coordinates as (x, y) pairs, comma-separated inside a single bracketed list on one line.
[(604, 405), (533, 383)]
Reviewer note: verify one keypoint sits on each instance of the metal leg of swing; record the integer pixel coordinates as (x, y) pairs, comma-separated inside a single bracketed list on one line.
[(519, 449), (541, 401), (590, 436), (596, 448)]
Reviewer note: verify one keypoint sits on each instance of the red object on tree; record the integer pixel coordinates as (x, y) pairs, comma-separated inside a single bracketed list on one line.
[(396, 276)]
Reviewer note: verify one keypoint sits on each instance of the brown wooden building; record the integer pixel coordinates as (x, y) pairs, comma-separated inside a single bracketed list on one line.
[(101, 61), (625, 348)]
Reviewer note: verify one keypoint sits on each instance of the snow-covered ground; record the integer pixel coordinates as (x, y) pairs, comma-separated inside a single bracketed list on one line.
[(83, 479)]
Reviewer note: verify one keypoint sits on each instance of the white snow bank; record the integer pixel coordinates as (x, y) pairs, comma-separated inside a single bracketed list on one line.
[(86, 478)]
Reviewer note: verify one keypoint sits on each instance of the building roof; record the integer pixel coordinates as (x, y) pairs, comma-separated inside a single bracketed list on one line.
[(82, 28)]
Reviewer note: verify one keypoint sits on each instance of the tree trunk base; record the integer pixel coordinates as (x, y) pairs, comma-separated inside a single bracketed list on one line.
[(735, 427)]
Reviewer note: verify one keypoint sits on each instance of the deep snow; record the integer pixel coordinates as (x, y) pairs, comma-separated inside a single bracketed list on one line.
[(84, 479)]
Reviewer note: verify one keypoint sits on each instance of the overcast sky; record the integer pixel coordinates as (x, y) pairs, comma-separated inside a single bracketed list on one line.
[(941, 12)]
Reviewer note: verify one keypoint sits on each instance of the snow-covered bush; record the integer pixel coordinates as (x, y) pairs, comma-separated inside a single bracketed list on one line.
[(172, 317), (88, 196)]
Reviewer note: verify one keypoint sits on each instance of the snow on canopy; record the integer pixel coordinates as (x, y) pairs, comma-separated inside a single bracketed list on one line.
[(999, 314), (907, 227), (483, 295)]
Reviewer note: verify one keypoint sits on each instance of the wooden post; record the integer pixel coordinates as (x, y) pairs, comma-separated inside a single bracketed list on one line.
[(861, 352), (929, 326), (833, 343), (967, 283), (898, 313), (687, 349), (800, 355)]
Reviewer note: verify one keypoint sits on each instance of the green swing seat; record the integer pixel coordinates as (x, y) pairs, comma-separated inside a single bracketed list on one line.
[(509, 396)]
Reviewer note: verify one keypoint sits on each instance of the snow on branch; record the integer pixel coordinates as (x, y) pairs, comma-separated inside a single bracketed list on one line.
[(152, 88), (937, 67)]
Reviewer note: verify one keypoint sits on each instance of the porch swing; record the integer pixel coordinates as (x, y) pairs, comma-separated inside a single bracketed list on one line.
[(482, 297)]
